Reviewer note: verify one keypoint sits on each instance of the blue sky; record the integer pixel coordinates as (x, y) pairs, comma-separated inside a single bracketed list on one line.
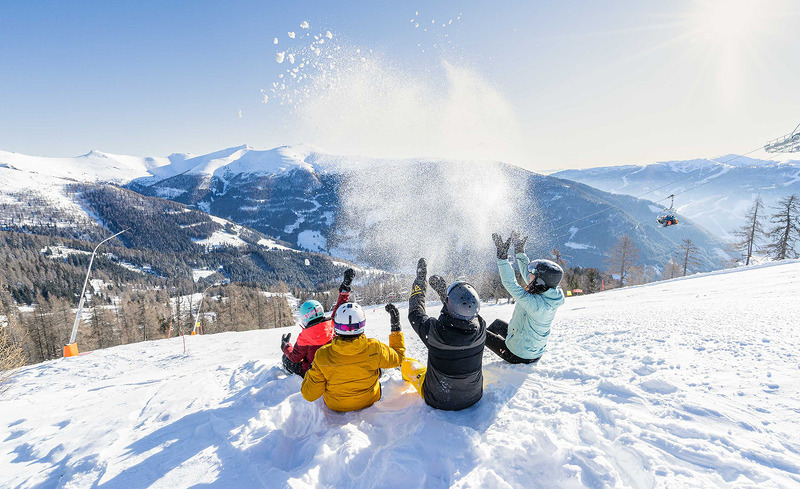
[(566, 84)]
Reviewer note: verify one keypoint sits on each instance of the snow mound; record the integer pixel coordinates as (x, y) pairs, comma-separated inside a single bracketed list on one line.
[(686, 383)]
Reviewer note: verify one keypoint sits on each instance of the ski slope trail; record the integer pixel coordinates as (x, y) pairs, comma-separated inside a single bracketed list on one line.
[(688, 383)]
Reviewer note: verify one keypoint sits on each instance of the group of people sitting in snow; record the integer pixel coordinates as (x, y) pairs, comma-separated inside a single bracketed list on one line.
[(341, 365)]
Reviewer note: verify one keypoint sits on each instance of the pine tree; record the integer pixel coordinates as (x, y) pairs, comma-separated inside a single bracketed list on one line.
[(786, 230), (750, 233), (622, 256)]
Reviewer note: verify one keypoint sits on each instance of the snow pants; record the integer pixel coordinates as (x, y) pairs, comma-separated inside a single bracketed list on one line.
[(414, 373), (496, 341), (291, 367)]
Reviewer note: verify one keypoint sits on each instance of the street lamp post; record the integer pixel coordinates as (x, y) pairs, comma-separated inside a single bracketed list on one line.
[(71, 349)]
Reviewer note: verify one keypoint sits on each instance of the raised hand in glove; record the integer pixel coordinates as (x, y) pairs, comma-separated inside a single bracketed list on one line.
[(349, 274), (394, 315), (502, 246), (422, 269), (285, 340), (519, 242), (440, 286), (419, 286)]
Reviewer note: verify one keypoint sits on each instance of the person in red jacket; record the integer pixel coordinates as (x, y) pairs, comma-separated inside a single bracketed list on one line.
[(317, 331)]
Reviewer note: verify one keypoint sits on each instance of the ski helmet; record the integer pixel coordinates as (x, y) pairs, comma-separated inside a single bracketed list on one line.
[(463, 301), (309, 311), (349, 319), (546, 275)]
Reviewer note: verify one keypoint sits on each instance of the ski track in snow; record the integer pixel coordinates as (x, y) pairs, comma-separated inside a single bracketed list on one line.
[(686, 383)]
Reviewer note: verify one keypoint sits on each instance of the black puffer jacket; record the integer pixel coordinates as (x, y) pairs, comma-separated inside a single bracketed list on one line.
[(455, 355)]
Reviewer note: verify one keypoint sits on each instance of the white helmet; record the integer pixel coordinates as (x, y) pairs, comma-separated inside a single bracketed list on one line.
[(349, 319)]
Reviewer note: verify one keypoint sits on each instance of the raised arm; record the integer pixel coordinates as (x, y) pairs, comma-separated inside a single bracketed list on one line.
[(345, 288), (531, 302), (419, 320), (392, 356), (519, 251)]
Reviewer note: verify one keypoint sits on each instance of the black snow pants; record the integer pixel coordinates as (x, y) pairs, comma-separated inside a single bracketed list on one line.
[(496, 341), (291, 367)]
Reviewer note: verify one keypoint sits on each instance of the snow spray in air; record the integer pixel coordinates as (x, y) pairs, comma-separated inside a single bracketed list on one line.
[(439, 190)]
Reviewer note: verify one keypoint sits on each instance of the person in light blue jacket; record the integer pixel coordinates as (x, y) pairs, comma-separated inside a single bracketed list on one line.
[(524, 338)]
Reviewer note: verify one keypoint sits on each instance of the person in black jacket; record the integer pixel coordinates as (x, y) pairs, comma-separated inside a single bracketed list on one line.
[(453, 378)]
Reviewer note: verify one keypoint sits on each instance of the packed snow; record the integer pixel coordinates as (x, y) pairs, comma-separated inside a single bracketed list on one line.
[(200, 273), (687, 383), (312, 240), (221, 238)]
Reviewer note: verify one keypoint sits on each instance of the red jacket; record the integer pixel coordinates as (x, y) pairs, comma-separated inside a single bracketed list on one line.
[(312, 339)]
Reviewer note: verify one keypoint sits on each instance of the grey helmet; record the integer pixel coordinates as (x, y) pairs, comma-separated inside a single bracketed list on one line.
[(463, 301), (546, 275)]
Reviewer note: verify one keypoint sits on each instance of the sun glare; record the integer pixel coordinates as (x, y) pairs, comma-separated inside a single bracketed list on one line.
[(727, 23)]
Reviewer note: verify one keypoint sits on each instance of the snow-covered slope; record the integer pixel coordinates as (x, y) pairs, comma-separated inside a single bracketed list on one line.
[(94, 166), (688, 383), (718, 191)]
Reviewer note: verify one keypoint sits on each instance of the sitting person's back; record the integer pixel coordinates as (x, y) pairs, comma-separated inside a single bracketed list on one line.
[(453, 378), (346, 372)]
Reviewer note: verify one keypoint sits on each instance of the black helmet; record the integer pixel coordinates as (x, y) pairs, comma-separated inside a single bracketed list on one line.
[(546, 275), (463, 301)]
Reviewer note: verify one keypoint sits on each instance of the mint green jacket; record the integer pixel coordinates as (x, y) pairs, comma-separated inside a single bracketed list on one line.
[(529, 327)]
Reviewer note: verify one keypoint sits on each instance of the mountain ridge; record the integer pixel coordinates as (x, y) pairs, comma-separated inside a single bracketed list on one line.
[(360, 208), (716, 194)]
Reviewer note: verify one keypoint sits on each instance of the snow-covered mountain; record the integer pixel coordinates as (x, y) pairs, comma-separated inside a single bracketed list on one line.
[(365, 208), (386, 213), (61, 200), (714, 193), (689, 383)]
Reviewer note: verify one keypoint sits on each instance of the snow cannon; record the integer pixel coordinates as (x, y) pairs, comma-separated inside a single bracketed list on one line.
[(71, 350)]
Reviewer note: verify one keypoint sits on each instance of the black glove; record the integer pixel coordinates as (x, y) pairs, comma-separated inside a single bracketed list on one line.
[(394, 314), (419, 286), (348, 280), (422, 269), (519, 242), (502, 246), (440, 286), (285, 340)]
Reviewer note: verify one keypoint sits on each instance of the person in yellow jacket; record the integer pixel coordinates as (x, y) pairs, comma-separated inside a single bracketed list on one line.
[(346, 372)]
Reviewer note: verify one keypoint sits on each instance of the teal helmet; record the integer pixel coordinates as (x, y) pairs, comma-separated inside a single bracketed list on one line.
[(309, 311)]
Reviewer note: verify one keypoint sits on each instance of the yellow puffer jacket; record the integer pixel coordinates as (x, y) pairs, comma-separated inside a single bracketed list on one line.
[(345, 372)]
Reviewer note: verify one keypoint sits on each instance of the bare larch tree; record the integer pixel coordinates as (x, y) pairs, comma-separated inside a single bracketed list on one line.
[(750, 233), (785, 232), (622, 256)]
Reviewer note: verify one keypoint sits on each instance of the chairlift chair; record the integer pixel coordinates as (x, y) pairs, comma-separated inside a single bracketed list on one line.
[(668, 217)]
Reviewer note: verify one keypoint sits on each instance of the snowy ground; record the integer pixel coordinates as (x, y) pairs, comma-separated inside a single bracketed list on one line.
[(688, 383)]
